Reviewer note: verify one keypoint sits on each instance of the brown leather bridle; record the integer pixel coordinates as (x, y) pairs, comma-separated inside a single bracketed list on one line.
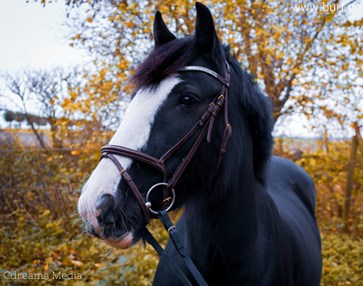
[(204, 124)]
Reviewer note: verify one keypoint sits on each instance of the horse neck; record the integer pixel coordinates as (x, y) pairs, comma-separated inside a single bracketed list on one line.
[(231, 209), (231, 203)]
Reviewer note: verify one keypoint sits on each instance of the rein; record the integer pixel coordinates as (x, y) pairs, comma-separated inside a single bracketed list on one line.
[(205, 127)]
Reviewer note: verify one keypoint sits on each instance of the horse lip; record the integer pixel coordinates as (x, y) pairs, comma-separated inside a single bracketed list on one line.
[(122, 242), (118, 238)]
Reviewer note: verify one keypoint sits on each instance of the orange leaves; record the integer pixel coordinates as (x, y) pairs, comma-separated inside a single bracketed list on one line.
[(128, 24), (66, 103), (284, 48), (103, 72), (75, 152)]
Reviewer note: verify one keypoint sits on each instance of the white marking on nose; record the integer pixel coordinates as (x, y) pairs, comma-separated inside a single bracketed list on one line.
[(134, 133)]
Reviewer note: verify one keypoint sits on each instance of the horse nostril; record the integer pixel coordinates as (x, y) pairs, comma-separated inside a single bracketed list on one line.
[(105, 209), (108, 219), (90, 229), (105, 201)]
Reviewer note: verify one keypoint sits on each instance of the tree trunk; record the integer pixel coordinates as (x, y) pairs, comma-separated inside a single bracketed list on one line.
[(326, 140), (350, 181), (35, 131)]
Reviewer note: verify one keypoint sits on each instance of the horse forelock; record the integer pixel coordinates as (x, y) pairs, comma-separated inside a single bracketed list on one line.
[(163, 61)]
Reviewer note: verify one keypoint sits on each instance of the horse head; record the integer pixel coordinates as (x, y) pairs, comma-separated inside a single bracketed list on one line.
[(179, 106)]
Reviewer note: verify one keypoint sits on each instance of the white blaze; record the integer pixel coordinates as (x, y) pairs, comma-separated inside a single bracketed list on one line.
[(134, 132)]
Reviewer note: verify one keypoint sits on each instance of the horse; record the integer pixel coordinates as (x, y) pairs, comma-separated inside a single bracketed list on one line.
[(197, 136)]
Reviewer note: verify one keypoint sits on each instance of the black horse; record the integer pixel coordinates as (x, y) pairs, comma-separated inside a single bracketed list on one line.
[(249, 219)]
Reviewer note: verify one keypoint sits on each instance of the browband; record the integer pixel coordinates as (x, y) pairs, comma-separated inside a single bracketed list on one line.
[(225, 81)]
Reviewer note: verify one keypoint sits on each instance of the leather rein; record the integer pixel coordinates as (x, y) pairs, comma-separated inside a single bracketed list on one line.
[(205, 127)]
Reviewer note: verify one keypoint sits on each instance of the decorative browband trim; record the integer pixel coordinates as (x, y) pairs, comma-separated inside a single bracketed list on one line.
[(207, 71)]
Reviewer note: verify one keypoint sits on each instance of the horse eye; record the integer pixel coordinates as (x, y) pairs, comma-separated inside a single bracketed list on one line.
[(187, 100)]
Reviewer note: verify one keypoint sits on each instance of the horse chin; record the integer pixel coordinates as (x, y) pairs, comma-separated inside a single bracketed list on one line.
[(121, 243)]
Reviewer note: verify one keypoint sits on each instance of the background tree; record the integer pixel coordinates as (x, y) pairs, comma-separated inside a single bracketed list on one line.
[(307, 59), (48, 97), (10, 116), (19, 87)]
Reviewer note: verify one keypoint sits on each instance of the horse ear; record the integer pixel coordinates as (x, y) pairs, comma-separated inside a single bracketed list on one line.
[(205, 32), (162, 34)]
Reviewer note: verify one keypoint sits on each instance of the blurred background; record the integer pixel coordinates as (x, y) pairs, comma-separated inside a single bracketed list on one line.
[(64, 69)]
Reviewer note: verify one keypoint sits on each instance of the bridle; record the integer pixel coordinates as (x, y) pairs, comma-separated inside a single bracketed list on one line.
[(205, 127), (204, 124)]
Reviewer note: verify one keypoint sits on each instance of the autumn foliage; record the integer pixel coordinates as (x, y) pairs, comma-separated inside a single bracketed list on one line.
[(308, 62), (42, 232)]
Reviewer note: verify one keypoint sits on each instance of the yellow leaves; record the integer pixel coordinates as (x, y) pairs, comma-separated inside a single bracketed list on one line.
[(123, 64), (75, 152), (117, 52), (268, 59), (280, 55), (46, 212), (122, 6), (342, 259), (145, 30), (77, 263), (344, 66), (163, 9), (46, 265), (358, 23), (289, 61), (73, 95), (296, 70), (43, 246), (106, 86), (66, 102), (103, 72), (277, 30), (344, 40)]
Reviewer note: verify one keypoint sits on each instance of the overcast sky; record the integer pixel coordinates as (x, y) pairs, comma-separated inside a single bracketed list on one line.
[(33, 36)]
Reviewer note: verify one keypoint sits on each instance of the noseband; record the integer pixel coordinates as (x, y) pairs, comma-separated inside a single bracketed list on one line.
[(205, 127), (204, 124)]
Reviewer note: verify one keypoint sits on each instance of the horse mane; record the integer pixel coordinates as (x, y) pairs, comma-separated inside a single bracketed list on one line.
[(168, 58), (257, 109)]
